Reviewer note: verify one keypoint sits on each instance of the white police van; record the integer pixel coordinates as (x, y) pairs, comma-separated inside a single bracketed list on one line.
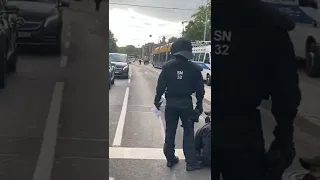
[(202, 55), (306, 36)]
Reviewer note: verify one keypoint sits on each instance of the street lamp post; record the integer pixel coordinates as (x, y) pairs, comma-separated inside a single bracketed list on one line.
[(205, 23), (182, 34)]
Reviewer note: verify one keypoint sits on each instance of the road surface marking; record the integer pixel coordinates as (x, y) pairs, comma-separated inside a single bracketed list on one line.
[(47, 151), (162, 128), (129, 80), (146, 72), (111, 178), (119, 132), (67, 45), (140, 153), (63, 61)]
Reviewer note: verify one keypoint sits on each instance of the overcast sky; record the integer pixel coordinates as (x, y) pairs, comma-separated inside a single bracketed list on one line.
[(132, 25)]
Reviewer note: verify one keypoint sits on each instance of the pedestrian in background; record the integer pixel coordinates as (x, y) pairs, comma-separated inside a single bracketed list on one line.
[(97, 2)]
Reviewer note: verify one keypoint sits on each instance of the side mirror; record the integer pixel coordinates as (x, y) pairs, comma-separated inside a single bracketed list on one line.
[(64, 3), (11, 9)]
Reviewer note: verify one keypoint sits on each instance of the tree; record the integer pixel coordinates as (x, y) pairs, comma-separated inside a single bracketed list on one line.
[(113, 48), (172, 39), (130, 50), (195, 28)]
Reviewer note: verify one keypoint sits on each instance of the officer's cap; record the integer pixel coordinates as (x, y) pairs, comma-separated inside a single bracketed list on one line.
[(182, 47)]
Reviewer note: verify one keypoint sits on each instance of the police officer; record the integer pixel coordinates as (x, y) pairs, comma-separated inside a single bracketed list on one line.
[(253, 58), (180, 78)]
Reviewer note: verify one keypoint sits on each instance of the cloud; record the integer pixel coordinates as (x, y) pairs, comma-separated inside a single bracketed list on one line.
[(133, 28)]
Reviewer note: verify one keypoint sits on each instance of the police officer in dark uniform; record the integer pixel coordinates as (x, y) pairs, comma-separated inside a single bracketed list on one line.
[(180, 78), (253, 57)]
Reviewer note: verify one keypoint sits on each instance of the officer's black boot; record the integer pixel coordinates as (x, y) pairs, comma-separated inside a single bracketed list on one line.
[(173, 162), (195, 166)]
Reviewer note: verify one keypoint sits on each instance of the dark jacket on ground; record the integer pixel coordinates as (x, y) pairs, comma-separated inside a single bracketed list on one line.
[(256, 61)]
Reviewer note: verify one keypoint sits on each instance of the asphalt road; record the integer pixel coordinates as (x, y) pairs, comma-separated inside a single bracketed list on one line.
[(54, 123)]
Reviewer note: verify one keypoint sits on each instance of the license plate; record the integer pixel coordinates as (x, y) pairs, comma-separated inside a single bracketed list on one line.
[(24, 34)]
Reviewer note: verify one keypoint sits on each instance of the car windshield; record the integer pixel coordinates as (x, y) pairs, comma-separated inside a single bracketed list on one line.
[(118, 57)]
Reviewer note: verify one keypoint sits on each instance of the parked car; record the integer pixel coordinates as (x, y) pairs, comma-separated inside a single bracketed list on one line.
[(111, 75), (40, 22), (8, 35), (120, 61)]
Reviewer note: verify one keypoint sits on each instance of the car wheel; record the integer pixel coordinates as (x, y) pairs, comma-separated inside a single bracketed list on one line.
[(208, 80), (2, 72), (12, 63), (312, 66), (57, 48)]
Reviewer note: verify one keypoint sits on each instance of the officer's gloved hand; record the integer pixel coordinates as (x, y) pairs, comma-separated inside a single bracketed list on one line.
[(280, 156), (157, 105), (199, 108)]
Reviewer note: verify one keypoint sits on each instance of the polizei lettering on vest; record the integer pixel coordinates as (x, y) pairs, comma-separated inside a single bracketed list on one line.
[(222, 38)]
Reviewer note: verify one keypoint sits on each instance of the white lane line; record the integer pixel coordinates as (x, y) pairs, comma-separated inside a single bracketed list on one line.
[(140, 153), (129, 80), (162, 128), (119, 132), (47, 151), (67, 45), (63, 61), (111, 178)]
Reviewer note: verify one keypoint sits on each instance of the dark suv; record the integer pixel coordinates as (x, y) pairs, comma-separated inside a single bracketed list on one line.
[(40, 22), (8, 35), (120, 61)]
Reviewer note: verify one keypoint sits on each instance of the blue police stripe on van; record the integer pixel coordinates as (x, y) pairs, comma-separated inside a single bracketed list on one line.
[(203, 65), (294, 11)]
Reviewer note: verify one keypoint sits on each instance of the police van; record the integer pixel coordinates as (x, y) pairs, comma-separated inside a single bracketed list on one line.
[(306, 36), (202, 55)]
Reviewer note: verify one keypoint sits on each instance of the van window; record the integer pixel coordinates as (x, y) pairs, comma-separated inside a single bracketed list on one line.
[(201, 57), (196, 57), (207, 59)]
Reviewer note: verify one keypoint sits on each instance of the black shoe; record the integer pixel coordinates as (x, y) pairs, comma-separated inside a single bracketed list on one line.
[(173, 162), (193, 167)]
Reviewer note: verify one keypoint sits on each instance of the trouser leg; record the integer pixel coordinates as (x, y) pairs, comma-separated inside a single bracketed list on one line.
[(171, 118), (188, 136), (244, 164)]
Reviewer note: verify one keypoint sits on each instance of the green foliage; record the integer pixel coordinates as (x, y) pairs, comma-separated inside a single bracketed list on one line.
[(113, 48), (195, 28), (130, 50), (172, 39)]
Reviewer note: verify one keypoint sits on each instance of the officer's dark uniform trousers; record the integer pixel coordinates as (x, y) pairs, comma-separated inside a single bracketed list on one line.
[(172, 114), (238, 146)]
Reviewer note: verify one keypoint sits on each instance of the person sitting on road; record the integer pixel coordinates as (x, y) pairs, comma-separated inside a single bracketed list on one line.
[(203, 142), (313, 167)]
